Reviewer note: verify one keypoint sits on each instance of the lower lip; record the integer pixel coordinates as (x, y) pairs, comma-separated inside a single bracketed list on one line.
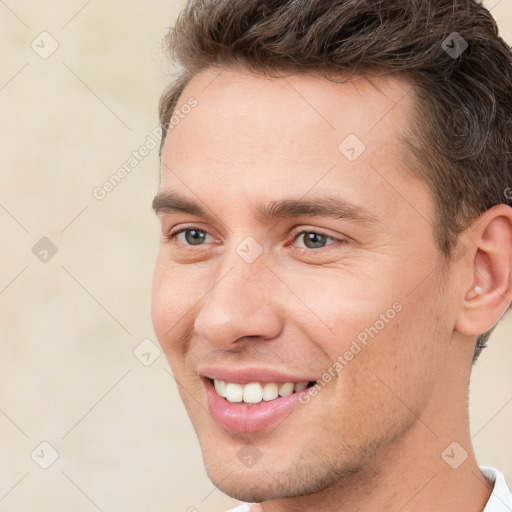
[(249, 418)]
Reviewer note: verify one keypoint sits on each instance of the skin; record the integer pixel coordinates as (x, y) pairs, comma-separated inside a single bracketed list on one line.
[(372, 439)]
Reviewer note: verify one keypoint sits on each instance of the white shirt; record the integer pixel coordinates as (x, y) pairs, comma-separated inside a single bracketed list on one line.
[(499, 501)]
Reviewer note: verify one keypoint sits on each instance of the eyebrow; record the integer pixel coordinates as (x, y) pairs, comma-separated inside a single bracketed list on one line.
[(326, 206)]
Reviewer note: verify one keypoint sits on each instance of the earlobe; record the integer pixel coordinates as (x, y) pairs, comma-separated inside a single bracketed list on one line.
[(490, 290)]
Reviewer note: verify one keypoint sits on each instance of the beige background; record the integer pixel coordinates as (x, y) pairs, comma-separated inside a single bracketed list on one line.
[(70, 325)]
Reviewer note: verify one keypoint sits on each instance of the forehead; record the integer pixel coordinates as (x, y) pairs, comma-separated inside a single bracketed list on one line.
[(300, 108), (369, 106), (250, 134)]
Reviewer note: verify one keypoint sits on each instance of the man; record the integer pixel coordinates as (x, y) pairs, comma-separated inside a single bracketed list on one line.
[(336, 246)]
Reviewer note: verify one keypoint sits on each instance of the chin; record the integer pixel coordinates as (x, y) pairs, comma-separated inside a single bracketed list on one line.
[(267, 480), (258, 486)]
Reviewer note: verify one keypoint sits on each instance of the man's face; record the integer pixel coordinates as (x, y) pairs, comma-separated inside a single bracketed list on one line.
[(243, 297)]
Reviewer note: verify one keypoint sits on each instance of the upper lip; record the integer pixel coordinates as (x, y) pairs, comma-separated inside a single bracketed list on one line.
[(250, 374)]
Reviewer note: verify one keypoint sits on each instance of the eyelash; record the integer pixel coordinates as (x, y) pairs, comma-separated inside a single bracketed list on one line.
[(295, 233)]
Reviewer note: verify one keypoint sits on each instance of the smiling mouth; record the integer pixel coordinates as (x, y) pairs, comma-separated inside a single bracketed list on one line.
[(254, 393)]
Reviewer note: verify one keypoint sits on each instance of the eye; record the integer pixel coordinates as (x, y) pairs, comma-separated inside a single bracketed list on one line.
[(314, 239), (192, 236)]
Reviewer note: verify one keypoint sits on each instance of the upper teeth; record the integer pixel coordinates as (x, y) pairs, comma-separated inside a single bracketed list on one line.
[(254, 392)]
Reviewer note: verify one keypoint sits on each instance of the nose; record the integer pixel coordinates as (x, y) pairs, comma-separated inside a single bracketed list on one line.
[(241, 303)]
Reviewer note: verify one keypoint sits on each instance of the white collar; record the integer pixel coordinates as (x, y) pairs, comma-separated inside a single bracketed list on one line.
[(500, 499)]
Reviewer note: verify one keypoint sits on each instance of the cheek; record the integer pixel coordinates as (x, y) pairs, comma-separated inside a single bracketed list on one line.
[(375, 329), (338, 307), (168, 307), (159, 302), (396, 371)]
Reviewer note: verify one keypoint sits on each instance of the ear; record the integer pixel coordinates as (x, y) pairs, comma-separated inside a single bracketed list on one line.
[(487, 291)]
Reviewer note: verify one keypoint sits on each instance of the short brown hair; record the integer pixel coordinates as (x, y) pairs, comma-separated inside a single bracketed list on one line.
[(449, 50)]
